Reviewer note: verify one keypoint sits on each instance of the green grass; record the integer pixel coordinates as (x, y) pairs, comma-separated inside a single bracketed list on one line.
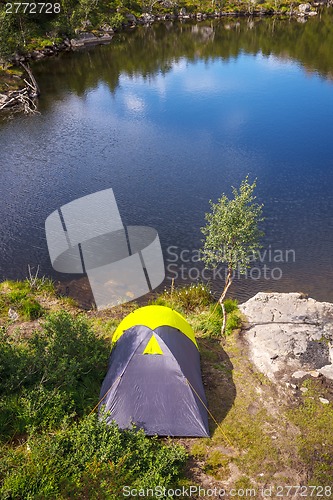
[(27, 300), (315, 442), (185, 299), (242, 438), (105, 327), (22, 298), (209, 322)]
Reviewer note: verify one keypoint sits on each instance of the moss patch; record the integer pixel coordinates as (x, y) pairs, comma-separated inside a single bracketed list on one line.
[(10, 79)]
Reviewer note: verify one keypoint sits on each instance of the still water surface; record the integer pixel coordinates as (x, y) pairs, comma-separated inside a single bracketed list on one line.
[(171, 116)]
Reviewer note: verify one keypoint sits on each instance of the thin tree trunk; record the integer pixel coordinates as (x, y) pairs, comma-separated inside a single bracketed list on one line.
[(227, 285), (223, 321)]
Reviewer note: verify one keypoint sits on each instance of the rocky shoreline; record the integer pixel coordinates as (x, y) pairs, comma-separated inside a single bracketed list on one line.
[(106, 32)]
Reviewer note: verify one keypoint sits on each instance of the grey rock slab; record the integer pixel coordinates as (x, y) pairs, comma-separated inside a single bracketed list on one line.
[(327, 371), (288, 332), (299, 374)]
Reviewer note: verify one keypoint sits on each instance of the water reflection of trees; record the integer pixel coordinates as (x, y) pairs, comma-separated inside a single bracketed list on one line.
[(147, 51)]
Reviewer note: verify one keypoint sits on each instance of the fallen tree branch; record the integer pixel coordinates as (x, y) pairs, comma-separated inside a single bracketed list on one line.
[(22, 99), (32, 78)]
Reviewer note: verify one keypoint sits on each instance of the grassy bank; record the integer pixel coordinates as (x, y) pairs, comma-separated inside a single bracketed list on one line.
[(53, 357)]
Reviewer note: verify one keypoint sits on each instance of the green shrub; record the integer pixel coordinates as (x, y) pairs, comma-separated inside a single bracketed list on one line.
[(68, 355), (16, 364), (186, 298), (210, 322), (42, 408), (34, 410), (64, 354), (116, 20), (56, 372), (10, 425), (89, 459), (233, 321)]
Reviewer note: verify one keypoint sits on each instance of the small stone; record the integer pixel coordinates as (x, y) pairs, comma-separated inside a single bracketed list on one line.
[(304, 7), (147, 18), (304, 389), (327, 371), (314, 374), (12, 314), (299, 374), (131, 18), (3, 99), (324, 401), (294, 386)]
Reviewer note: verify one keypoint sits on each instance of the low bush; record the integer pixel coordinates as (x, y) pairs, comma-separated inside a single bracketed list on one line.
[(68, 353), (15, 364), (34, 410), (89, 459), (186, 299), (56, 372)]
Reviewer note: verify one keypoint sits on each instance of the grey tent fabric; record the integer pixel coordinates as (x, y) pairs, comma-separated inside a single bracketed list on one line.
[(160, 393)]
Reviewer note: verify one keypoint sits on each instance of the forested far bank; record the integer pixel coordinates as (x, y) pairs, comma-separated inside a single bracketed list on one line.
[(25, 28)]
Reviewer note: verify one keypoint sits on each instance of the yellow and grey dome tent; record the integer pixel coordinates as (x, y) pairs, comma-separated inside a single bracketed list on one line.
[(154, 378)]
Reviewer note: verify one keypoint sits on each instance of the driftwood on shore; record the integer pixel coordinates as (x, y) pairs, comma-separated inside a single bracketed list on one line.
[(22, 99)]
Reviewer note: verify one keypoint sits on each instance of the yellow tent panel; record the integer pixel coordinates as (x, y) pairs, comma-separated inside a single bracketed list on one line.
[(153, 317), (153, 346)]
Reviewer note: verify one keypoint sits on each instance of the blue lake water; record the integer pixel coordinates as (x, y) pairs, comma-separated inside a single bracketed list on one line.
[(170, 118)]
